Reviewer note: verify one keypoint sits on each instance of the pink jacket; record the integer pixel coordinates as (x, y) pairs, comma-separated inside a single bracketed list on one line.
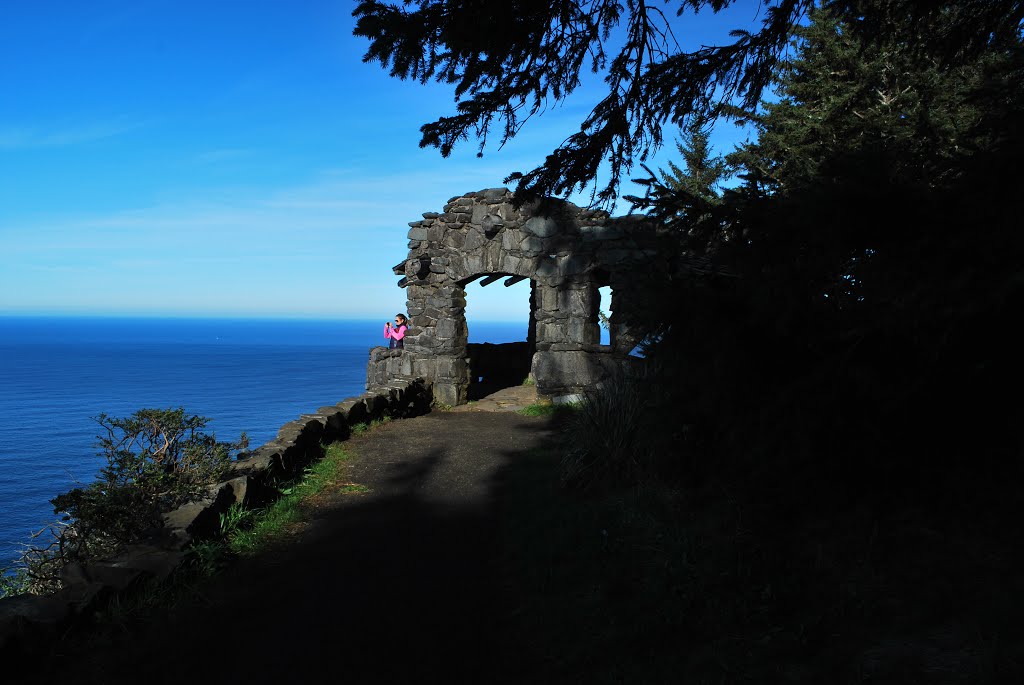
[(394, 333)]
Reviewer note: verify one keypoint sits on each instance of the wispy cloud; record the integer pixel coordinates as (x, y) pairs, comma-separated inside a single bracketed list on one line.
[(339, 209), (12, 137), (327, 245)]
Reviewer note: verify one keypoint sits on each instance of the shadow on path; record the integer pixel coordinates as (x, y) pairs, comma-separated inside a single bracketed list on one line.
[(398, 584)]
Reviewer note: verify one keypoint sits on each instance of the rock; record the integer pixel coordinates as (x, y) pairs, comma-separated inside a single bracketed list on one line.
[(197, 520), (541, 226), (290, 431), (531, 246), (355, 410), (546, 269), (264, 460), (560, 372), (336, 424), (83, 584), (85, 596), (153, 561), (601, 232), (491, 224), (455, 239), (24, 615), (494, 194), (250, 492), (573, 265), (474, 241), (118, 579), (446, 328)]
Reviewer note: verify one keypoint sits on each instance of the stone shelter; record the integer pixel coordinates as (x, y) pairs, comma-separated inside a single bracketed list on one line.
[(566, 252)]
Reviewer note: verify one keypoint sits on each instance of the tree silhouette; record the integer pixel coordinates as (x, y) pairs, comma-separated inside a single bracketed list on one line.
[(510, 60)]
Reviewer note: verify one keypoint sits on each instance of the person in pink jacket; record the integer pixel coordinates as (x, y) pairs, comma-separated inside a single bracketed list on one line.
[(396, 333)]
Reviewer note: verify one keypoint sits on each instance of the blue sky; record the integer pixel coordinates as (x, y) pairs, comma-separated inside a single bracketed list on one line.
[(191, 158)]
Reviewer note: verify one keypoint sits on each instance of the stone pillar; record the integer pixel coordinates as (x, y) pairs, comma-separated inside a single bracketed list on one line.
[(438, 336), (451, 383), (580, 302)]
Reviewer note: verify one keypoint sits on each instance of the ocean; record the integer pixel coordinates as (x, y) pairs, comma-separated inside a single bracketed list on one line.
[(56, 374)]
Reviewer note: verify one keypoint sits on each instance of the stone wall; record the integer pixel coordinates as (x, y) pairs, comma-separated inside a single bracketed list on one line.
[(29, 621), (385, 365), (566, 252)]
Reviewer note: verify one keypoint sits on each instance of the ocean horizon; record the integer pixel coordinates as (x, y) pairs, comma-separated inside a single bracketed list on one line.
[(243, 373)]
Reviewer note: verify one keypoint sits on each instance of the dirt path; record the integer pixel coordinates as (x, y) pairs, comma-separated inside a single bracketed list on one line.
[(396, 584)]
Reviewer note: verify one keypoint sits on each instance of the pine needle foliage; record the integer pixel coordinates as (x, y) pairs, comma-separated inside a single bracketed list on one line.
[(510, 61)]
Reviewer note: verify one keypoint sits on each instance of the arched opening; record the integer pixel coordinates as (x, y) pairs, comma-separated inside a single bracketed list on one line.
[(502, 332)]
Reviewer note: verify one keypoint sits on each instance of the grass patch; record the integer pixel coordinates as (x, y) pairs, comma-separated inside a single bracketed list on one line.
[(249, 533), (548, 409), (353, 488), (360, 428)]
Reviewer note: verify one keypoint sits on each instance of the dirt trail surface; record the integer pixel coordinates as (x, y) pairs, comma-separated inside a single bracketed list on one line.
[(396, 584)]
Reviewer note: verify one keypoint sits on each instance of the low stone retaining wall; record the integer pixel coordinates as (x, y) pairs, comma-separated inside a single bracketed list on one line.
[(28, 621), (386, 364)]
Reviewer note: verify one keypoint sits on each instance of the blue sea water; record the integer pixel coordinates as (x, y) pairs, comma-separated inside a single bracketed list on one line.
[(56, 374)]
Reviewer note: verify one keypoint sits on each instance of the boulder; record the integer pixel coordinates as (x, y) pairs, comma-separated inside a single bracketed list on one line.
[(265, 461), (197, 520), (152, 561), (22, 615), (335, 423)]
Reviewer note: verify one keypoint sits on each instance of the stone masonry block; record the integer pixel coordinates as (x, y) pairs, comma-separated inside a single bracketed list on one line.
[(541, 226)]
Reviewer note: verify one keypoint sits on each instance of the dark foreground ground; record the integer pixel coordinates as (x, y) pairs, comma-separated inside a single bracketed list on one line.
[(397, 584), (464, 561)]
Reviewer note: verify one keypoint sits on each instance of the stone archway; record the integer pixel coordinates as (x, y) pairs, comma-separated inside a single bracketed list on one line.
[(566, 252), (495, 366)]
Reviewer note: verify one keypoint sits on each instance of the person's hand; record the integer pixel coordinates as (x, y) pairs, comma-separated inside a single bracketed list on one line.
[(387, 324)]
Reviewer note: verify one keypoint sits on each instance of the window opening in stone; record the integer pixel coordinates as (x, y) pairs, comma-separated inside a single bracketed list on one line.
[(501, 345), (604, 313)]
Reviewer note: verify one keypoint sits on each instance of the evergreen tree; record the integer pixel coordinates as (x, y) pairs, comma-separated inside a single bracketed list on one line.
[(510, 60), (863, 164), (878, 259)]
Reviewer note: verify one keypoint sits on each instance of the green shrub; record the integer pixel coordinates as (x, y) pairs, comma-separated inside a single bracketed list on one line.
[(156, 460), (13, 582)]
